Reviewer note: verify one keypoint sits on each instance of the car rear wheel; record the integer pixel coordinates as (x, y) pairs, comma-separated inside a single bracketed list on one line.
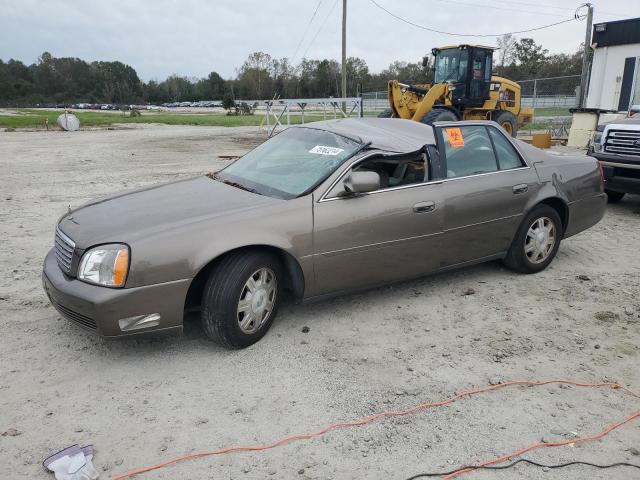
[(614, 197), (536, 242), (241, 297)]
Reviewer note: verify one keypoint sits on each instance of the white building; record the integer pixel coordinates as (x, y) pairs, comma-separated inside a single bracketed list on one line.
[(614, 83)]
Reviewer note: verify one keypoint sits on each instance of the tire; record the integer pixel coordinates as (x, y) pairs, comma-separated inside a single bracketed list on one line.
[(227, 286), (539, 257), (507, 120), (614, 197), (439, 115), (387, 113)]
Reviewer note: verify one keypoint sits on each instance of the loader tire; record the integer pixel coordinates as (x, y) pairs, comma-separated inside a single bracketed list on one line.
[(388, 113), (439, 115), (507, 120)]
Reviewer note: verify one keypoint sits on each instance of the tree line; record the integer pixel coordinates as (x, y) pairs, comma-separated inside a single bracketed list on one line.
[(54, 80)]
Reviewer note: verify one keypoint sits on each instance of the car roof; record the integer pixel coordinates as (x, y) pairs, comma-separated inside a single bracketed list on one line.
[(390, 134)]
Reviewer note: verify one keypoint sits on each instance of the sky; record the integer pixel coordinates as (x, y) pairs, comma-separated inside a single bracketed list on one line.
[(194, 37)]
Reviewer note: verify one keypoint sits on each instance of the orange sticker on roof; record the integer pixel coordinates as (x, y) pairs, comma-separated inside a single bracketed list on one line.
[(455, 137)]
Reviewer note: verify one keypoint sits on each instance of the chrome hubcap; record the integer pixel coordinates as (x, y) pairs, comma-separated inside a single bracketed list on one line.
[(257, 299), (541, 238)]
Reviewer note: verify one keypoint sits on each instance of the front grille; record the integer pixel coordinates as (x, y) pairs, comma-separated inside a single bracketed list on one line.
[(622, 142), (64, 250), (76, 317)]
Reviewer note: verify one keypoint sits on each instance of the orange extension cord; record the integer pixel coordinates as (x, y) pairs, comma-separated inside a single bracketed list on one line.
[(408, 411)]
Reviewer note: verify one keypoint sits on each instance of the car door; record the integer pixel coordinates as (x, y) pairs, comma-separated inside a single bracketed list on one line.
[(485, 192), (375, 238)]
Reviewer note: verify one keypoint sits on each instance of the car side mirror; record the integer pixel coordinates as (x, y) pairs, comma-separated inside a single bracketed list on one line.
[(425, 61), (361, 182)]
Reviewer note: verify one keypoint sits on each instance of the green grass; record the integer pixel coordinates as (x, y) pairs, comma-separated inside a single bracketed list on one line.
[(552, 112), (34, 118)]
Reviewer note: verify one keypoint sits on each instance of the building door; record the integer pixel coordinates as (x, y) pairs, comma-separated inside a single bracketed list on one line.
[(627, 83)]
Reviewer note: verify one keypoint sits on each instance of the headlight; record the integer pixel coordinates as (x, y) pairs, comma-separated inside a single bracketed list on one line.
[(105, 265), (597, 137), (595, 141)]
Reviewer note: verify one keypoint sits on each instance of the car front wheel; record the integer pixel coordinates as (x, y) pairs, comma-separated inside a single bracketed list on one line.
[(241, 298), (536, 242)]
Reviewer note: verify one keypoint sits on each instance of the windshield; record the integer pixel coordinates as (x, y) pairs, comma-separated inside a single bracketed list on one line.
[(450, 66), (291, 163)]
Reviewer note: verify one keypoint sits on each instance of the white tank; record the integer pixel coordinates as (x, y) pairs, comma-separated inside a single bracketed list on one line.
[(68, 122)]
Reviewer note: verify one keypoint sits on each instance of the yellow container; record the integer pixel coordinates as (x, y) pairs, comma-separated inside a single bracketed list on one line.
[(541, 140)]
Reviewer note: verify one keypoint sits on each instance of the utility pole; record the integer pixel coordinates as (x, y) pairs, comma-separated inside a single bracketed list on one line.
[(584, 79), (344, 50)]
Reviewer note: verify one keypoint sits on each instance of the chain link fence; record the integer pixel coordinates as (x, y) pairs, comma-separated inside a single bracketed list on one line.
[(374, 103), (552, 92), (551, 98)]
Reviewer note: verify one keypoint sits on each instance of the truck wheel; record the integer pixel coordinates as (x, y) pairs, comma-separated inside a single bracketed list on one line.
[(388, 113), (241, 297), (536, 242), (507, 120), (439, 115), (614, 197)]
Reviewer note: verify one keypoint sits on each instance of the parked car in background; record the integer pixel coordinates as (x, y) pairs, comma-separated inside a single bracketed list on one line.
[(318, 210), (616, 145)]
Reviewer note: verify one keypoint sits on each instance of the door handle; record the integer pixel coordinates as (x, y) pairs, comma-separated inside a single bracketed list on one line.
[(424, 207), (522, 188)]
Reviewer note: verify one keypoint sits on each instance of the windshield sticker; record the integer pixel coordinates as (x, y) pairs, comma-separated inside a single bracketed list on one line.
[(322, 150), (455, 137)]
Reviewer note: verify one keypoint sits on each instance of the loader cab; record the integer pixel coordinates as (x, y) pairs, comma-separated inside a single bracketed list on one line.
[(467, 68)]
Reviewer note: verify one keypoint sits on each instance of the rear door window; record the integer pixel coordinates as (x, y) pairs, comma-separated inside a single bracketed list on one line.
[(468, 151)]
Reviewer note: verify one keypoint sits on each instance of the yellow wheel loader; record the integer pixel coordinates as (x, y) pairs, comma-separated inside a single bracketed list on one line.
[(463, 89)]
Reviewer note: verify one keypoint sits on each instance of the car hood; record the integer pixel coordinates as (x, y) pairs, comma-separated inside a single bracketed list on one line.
[(127, 216), (635, 120)]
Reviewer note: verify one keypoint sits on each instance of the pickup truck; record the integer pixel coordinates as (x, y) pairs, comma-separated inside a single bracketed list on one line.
[(616, 145)]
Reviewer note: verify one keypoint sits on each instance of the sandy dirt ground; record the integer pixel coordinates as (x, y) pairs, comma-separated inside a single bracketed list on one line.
[(141, 402)]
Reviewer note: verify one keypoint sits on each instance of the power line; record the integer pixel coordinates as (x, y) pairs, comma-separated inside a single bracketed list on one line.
[(429, 29), (306, 30), (568, 9), (320, 29), (538, 5), (543, 5), (483, 5)]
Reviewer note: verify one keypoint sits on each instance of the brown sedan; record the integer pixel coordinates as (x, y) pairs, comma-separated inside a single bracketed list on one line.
[(320, 209)]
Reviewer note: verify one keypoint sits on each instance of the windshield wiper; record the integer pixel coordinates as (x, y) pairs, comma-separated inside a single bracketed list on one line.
[(214, 176)]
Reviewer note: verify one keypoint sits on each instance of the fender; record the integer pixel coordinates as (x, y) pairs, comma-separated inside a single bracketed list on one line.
[(186, 251)]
